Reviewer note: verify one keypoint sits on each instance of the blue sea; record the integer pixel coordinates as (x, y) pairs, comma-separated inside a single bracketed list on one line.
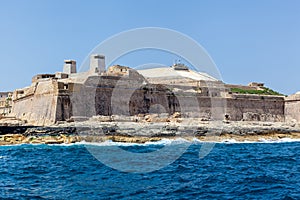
[(266, 170)]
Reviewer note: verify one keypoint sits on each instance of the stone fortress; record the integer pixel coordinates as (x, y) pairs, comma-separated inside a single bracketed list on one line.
[(120, 90), (5, 103)]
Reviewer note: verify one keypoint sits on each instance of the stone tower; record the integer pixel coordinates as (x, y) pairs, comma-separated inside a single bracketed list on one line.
[(97, 63), (70, 67)]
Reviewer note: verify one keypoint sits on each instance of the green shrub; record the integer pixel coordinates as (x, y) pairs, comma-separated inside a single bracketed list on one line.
[(265, 91)]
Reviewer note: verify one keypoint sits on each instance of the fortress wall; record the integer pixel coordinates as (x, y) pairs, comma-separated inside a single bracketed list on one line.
[(38, 108), (47, 102), (248, 108), (93, 97), (99, 97), (174, 81), (292, 108), (64, 108), (153, 99), (82, 101), (255, 108)]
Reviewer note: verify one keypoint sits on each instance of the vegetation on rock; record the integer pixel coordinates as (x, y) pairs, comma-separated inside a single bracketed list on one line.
[(263, 91)]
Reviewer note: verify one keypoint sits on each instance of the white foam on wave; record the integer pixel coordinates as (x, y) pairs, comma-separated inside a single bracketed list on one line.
[(105, 143), (229, 141), (282, 140), (3, 157), (168, 141), (178, 141), (164, 141), (262, 140), (160, 142)]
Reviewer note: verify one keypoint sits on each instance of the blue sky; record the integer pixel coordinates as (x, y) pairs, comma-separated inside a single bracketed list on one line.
[(248, 40)]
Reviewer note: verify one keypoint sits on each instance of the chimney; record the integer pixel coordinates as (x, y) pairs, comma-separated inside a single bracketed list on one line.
[(97, 63), (70, 67)]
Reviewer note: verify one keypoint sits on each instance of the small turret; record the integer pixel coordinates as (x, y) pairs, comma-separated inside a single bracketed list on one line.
[(97, 63), (70, 67)]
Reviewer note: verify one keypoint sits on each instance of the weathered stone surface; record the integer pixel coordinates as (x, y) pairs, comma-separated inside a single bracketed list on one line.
[(134, 139), (46, 102), (39, 105), (292, 108), (49, 131), (143, 132), (14, 129)]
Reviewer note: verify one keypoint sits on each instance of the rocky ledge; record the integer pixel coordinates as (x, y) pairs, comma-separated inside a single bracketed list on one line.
[(141, 132)]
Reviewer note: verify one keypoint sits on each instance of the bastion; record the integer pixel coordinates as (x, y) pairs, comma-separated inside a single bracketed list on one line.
[(120, 90)]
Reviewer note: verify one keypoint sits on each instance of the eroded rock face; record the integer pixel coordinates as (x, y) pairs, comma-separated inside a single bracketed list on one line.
[(140, 132), (14, 129), (265, 117)]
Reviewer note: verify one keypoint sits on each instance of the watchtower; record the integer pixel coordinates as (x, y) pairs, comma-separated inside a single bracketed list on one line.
[(97, 63), (70, 67)]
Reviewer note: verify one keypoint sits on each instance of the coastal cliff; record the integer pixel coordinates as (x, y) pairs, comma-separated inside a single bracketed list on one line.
[(148, 128)]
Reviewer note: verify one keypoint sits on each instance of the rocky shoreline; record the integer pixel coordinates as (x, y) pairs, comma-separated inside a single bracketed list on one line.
[(141, 132)]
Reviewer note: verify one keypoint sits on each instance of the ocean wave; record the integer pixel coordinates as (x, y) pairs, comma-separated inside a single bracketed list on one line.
[(183, 140), (162, 142), (282, 140), (262, 140), (18, 145), (3, 157)]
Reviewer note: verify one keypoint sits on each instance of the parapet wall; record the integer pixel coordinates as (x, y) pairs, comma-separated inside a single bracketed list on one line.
[(256, 108), (292, 108), (49, 101), (100, 97), (38, 104)]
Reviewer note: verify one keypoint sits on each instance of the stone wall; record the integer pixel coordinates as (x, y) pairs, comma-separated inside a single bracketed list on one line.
[(46, 102), (63, 108), (5, 103), (255, 108), (102, 97), (97, 95), (292, 108), (37, 107)]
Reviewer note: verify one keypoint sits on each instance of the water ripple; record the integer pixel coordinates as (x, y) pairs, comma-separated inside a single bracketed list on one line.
[(238, 170)]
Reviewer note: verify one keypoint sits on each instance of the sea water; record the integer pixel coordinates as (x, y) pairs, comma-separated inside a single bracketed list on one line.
[(265, 170)]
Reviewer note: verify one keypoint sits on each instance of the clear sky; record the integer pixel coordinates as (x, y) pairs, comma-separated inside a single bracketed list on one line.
[(255, 40)]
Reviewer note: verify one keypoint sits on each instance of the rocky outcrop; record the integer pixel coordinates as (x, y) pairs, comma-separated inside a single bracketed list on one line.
[(141, 132), (14, 129)]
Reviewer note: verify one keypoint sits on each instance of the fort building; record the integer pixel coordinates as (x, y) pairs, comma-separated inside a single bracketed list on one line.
[(292, 107), (254, 84), (5, 103), (121, 90)]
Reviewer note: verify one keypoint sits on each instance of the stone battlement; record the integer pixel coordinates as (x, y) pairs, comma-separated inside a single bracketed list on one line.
[(121, 90)]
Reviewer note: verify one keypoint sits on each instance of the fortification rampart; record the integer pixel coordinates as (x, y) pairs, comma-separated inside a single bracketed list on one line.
[(38, 104), (255, 108), (47, 102), (101, 97), (125, 91), (5, 103), (292, 107)]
